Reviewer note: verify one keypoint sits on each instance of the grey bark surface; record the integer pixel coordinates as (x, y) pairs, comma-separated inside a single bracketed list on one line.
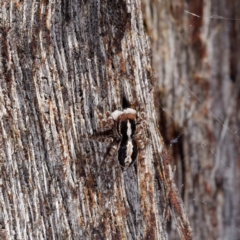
[(63, 66), (196, 47)]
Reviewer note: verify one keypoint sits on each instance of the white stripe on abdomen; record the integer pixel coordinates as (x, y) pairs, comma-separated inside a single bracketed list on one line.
[(129, 152)]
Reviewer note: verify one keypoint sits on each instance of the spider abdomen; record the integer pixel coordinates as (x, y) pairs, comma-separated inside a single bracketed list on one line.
[(127, 152)]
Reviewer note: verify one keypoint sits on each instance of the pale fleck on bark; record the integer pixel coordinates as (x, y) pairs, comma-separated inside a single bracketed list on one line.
[(196, 49), (63, 66)]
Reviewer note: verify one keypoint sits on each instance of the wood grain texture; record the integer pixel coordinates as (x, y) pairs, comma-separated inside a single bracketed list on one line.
[(63, 66), (195, 58)]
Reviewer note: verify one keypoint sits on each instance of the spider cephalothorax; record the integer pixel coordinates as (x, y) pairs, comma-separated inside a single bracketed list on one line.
[(126, 135)]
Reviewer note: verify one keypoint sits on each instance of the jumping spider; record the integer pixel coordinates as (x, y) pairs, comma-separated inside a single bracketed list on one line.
[(126, 135)]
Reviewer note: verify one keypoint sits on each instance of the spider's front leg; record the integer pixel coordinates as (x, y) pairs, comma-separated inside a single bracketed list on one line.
[(106, 123), (141, 131), (105, 128)]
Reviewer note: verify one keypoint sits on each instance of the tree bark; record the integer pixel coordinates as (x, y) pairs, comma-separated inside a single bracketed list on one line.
[(64, 65), (196, 46)]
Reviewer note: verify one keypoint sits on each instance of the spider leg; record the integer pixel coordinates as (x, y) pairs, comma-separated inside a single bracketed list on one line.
[(109, 156), (105, 123), (112, 149), (140, 136), (105, 132), (106, 169), (116, 131)]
